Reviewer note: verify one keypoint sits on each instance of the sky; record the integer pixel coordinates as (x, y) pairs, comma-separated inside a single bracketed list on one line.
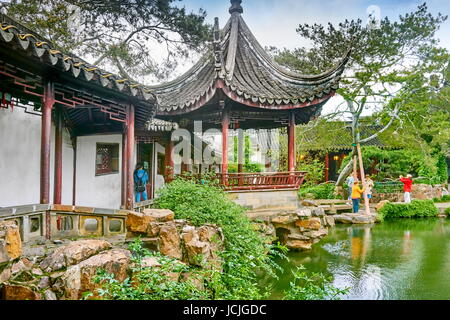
[(274, 22)]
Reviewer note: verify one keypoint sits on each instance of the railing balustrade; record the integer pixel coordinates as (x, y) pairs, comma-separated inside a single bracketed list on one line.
[(253, 181)]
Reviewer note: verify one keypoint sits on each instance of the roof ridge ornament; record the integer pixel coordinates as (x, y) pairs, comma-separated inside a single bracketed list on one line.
[(217, 48), (236, 6)]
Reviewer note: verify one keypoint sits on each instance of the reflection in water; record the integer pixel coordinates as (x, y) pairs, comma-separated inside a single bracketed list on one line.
[(400, 259)]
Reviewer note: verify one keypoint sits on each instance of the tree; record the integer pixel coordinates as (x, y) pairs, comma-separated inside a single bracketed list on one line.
[(117, 34), (383, 61)]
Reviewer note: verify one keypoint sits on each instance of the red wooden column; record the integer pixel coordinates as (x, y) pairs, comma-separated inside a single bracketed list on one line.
[(48, 101), (74, 173), (225, 126), (291, 142), (124, 167), (327, 166), (240, 150), (57, 185), (129, 157), (169, 160)]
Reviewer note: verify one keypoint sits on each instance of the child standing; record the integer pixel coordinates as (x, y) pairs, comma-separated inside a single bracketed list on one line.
[(357, 191)]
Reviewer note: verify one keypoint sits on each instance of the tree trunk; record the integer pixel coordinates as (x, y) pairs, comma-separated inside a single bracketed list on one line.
[(345, 173)]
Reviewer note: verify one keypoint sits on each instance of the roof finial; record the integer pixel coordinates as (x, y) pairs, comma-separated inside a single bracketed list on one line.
[(236, 6)]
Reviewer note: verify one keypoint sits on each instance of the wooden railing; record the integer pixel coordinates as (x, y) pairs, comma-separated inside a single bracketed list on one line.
[(251, 181), (262, 180)]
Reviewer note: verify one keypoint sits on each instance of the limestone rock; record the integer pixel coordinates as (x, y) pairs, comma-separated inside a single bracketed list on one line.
[(79, 278), (150, 262), (160, 215), (311, 223), (308, 203), (283, 219), (296, 244), (202, 245), (49, 295), (37, 272), (329, 221), (73, 253), (318, 212), (340, 218), (5, 275), (316, 234), (139, 221), (18, 292), (381, 204), (170, 241), (10, 242), (304, 212), (44, 282), (20, 266), (154, 228), (363, 219)]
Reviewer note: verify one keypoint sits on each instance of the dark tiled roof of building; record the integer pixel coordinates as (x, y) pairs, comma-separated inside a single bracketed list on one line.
[(18, 36), (244, 71), (336, 136)]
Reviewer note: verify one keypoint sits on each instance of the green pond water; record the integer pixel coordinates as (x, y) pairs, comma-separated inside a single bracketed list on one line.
[(396, 259)]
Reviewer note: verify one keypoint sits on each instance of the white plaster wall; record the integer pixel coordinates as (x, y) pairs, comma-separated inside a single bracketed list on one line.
[(20, 134), (20, 158), (102, 191)]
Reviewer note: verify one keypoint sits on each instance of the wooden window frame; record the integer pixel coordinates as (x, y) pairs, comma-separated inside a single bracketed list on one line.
[(113, 161)]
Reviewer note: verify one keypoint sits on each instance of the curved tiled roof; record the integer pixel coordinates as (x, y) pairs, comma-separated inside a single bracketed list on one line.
[(17, 35), (240, 67)]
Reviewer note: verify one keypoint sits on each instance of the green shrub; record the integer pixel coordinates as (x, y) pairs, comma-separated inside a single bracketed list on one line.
[(246, 252), (247, 167), (442, 169), (314, 286), (246, 257), (415, 209), (444, 198), (321, 191), (389, 164), (314, 169), (149, 283), (447, 211)]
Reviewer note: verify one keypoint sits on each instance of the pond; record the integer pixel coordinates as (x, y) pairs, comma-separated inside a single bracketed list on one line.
[(396, 259)]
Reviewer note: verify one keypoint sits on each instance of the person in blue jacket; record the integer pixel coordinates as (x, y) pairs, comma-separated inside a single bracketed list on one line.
[(140, 183)]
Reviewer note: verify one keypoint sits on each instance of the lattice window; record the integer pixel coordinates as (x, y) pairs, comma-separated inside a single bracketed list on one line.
[(107, 158)]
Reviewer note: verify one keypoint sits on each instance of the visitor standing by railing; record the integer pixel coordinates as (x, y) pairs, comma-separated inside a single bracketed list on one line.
[(407, 185), (140, 183)]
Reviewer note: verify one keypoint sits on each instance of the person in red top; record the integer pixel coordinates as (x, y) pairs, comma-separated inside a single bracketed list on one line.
[(407, 184)]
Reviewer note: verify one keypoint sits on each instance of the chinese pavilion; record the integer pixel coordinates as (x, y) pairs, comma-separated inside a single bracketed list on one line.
[(238, 84)]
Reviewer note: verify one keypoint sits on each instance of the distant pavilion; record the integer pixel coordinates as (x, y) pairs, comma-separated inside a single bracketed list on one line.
[(237, 84)]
